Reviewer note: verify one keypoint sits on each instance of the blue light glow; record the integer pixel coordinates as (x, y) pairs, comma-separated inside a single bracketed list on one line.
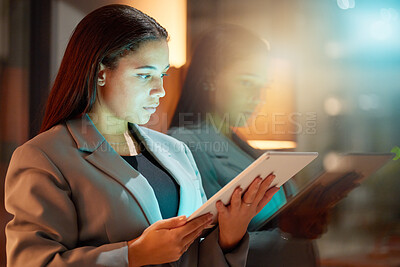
[(382, 29), (346, 4)]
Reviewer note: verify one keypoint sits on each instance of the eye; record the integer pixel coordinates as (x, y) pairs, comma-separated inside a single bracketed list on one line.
[(247, 83), (164, 75), (144, 76)]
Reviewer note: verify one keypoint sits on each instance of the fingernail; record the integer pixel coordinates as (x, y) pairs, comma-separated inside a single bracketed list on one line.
[(182, 217)]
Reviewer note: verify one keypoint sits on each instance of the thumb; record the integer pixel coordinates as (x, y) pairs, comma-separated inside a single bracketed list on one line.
[(171, 222)]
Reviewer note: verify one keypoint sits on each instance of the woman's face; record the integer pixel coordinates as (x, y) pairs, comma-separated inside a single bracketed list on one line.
[(132, 91), (238, 89)]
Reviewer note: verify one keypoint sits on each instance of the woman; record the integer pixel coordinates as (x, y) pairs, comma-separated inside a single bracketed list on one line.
[(94, 188), (221, 90)]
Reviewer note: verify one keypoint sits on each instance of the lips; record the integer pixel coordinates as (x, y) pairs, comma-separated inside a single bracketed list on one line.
[(151, 108)]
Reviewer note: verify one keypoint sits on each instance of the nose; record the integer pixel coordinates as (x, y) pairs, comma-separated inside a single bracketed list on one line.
[(254, 100), (158, 89), (257, 100)]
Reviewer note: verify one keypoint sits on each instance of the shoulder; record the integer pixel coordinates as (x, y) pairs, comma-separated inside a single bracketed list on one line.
[(189, 134), (53, 139), (183, 131), (197, 132), (36, 157), (202, 138), (44, 151)]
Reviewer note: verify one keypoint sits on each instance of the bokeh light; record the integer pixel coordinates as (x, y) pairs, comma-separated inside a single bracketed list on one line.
[(383, 28), (333, 106), (346, 4), (331, 161)]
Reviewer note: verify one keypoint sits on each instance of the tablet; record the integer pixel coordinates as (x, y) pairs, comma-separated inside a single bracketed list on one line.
[(283, 164), (341, 171)]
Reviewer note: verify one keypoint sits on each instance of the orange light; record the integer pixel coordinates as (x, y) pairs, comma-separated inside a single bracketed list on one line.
[(274, 124), (270, 144), (171, 15)]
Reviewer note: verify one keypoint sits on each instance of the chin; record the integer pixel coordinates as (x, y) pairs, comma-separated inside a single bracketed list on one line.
[(240, 121), (143, 120), (138, 119)]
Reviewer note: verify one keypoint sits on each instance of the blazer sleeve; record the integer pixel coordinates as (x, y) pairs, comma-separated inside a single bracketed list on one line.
[(210, 253), (44, 230)]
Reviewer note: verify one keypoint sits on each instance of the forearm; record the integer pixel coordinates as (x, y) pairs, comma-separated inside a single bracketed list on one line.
[(115, 254)]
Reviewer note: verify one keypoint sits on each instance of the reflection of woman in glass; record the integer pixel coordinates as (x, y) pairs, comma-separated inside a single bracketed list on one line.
[(94, 188), (222, 88)]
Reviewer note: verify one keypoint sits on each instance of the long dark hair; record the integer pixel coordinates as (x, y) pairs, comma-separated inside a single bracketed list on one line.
[(217, 49), (103, 36)]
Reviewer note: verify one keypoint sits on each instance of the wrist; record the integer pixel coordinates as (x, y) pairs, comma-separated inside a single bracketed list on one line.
[(228, 243), (135, 255)]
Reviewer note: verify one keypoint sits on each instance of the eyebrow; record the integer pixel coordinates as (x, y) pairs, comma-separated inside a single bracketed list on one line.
[(254, 76), (151, 67), (249, 74)]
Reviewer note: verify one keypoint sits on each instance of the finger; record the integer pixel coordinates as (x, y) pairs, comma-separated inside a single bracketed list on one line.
[(198, 234), (221, 208), (171, 222), (236, 198), (194, 224), (266, 198), (189, 237), (265, 185), (251, 192)]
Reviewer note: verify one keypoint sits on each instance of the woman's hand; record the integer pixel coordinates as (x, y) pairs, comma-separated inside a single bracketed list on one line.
[(309, 216), (304, 223), (234, 218), (166, 240)]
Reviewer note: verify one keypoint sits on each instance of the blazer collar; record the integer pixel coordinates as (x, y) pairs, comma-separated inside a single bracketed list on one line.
[(104, 157), (85, 134)]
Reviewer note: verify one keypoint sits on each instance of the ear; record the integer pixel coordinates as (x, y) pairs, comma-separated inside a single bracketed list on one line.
[(208, 86), (101, 77), (208, 83)]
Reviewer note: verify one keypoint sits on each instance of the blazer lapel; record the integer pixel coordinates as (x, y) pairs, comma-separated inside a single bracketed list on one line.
[(105, 158), (112, 164), (188, 202)]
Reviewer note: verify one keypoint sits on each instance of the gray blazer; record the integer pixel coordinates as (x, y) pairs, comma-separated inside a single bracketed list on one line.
[(219, 160), (76, 202)]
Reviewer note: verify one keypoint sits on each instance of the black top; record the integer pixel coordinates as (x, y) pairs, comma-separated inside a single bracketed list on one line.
[(165, 187)]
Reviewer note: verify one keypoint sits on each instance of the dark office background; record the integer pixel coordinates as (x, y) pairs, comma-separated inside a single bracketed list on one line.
[(342, 62)]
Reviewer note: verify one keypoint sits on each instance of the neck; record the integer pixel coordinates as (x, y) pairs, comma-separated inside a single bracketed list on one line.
[(115, 131), (107, 124)]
